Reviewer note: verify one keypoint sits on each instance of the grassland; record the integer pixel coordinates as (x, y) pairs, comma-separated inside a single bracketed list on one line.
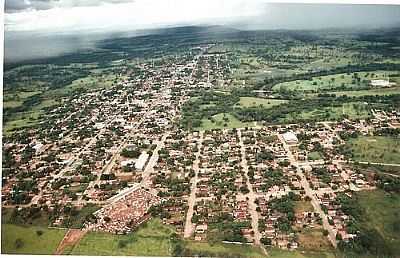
[(278, 253), (222, 249), (221, 121), (381, 212), (371, 92), (352, 110), (378, 149), (314, 155), (26, 240), (152, 239), (329, 82), (255, 102)]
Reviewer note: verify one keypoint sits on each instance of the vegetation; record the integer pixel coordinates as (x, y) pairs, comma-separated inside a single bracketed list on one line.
[(29, 240), (151, 239), (376, 219), (378, 149)]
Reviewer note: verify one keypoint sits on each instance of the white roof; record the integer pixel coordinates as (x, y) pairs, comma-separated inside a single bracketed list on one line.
[(290, 137), (141, 161)]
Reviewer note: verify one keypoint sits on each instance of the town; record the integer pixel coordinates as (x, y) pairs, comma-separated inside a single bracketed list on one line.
[(151, 146)]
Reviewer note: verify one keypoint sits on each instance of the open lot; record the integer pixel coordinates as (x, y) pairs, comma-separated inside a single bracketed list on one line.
[(222, 120), (29, 240), (377, 149), (152, 239), (312, 239)]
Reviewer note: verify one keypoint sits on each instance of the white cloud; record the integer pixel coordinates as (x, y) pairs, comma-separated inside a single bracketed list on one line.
[(139, 14)]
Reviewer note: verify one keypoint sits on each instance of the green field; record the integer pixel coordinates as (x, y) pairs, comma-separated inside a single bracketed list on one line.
[(351, 110), (314, 155), (373, 92), (26, 240), (255, 102), (346, 81), (221, 249), (152, 239), (381, 212), (278, 253), (223, 120), (379, 149)]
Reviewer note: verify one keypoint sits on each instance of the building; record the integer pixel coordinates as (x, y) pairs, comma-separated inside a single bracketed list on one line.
[(381, 83), (290, 138), (141, 161)]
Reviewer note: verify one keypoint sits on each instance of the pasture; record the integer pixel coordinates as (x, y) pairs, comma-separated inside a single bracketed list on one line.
[(151, 239), (379, 149), (256, 102), (29, 240)]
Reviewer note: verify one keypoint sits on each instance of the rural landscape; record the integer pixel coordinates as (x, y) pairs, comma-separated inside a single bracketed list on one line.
[(206, 141)]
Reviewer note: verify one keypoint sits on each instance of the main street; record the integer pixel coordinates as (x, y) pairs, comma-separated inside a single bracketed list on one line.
[(250, 195), (189, 227), (310, 192)]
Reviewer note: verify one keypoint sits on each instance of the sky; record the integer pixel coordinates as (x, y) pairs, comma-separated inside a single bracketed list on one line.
[(63, 16), (35, 28)]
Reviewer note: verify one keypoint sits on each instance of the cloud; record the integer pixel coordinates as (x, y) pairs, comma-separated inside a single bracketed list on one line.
[(12, 6), (125, 15), (56, 16)]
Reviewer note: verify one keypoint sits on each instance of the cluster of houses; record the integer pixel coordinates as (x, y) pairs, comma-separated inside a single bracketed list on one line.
[(100, 146)]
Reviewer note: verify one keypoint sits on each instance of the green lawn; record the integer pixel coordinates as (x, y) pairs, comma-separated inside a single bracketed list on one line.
[(255, 102), (222, 120), (152, 239), (30, 241), (379, 149)]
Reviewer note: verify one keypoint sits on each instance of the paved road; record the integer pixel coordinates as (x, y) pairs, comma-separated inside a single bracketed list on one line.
[(189, 227)]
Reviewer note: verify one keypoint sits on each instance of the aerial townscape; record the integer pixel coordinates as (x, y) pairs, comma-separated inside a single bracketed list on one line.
[(206, 141)]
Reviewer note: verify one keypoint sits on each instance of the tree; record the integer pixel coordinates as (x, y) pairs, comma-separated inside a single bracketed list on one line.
[(18, 243)]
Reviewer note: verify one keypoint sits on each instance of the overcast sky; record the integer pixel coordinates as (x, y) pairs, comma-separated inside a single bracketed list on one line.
[(41, 28), (110, 15)]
